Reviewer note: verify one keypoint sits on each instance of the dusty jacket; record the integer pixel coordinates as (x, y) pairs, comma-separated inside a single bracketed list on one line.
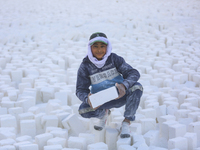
[(115, 70)]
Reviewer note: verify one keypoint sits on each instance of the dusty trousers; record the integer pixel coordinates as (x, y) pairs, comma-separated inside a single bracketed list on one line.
[(131, 100)]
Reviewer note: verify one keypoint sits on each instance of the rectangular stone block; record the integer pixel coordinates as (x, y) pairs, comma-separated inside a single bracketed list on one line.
[(75, 124), (28, 127), (41, 140), (57, 141), (179, 143), (147, 124), (103, 96), (177, 130), (29, 147), (77, 142), (192, 140)]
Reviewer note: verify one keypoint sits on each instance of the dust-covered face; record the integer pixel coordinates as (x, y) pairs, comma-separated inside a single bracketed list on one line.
[(99, 50)]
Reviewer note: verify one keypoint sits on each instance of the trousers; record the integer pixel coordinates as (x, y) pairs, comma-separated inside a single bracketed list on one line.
[(131, 101)]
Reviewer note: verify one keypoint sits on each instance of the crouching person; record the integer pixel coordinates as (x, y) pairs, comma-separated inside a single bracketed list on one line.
[(102, 69)]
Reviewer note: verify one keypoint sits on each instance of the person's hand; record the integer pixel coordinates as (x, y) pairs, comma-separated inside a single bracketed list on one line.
[(90, 102), (122, 90)]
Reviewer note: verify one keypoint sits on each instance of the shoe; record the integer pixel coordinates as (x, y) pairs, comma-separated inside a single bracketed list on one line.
[(125, 130), (102, 121)]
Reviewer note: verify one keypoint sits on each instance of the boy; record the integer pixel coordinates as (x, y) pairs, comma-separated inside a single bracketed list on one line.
[(102, 69)]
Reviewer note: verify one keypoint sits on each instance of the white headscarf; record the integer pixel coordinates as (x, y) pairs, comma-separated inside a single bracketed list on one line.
[(94, 60)]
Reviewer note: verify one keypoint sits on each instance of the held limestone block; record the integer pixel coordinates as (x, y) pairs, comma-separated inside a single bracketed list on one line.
[(77, 142), (29, 147), (28, 127), (41, 140), (111, 138), (179, 143), (103, 96), (177, 130)]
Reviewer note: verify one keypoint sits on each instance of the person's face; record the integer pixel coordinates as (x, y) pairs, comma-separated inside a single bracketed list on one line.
[(99, 50)]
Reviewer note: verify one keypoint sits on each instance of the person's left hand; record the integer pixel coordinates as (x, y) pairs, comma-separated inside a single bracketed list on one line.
[(122, 90)]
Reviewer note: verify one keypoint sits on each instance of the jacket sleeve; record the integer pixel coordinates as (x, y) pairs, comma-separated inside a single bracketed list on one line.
[(83, 83), (130, 75)]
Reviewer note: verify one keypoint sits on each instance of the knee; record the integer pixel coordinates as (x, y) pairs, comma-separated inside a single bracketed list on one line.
[(137, 86)]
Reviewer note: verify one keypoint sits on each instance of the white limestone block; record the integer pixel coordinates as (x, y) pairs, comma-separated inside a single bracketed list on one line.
[(77, 142), (97, 146), (28, 127), (23, 86), (152, 137), (76, 126), (8, 141), (9, 121), (194, 116), (15, 111), (60, 133), (52, 106), (39, 127), (49, 121), (136, 128), (149, 113), (3, 111), (164, 130), (7, 104), (16, 75), (24, 103), (111, 138), (104, 96), (53, 147), (158, 82), (86, 122), (147, 124), (179, 143), (182, 96), (61, 117), (17, 145), (176, 130), (123, 141), (192, 140), (41, 139), (7, 134), (74, 99), (182, 113), (57, 140), (195, 128), (141, 146), (13, 95), (35, 110), (90, 138), (26, 116), (29, 147), (161, 111), (24, 138), (47, 93), (63, 96), (126, 147), (8, 147)]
